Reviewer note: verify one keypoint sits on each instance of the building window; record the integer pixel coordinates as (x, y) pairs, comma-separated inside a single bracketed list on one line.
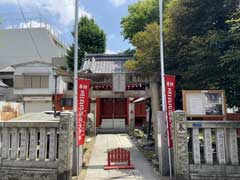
[(70, 86), (66, 102), (19, 82), (8, 82), (31, 82)]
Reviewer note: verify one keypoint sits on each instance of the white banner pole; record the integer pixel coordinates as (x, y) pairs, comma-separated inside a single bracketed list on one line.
[(163, 78)]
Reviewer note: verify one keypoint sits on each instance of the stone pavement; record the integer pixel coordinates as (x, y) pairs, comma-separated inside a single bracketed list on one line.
[(95, 171)]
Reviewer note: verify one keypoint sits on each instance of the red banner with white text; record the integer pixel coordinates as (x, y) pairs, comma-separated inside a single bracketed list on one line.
[(82, 109), (170, 85)]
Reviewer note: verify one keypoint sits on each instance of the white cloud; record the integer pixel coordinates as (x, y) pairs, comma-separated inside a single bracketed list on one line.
[(112, 36), (109, 51), (63, 9), (118, 2)]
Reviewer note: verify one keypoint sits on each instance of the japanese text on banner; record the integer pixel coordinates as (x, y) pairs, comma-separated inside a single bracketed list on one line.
[(82, 109), (170, 84)]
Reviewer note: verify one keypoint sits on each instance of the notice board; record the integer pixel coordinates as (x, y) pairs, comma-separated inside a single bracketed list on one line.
[(204, 103)]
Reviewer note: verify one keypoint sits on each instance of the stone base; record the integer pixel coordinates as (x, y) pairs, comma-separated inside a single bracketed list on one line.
[(7, 173), (113, 124), (214, 172)]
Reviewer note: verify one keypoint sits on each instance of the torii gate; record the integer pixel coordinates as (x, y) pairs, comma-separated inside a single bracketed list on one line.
[(151, 83)]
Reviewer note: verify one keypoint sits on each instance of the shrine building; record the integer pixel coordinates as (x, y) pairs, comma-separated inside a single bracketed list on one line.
[(114, 91)]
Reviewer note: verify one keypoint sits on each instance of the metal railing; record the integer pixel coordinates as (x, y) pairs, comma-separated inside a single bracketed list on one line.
[(37, 22)]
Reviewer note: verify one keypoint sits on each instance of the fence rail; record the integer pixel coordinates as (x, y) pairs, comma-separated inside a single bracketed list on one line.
[(206, 149), (36, 22), (45, 146), (214, 143)]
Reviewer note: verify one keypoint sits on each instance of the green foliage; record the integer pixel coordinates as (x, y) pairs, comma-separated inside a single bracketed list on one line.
[(147, 48), (139, 134), (195, 40), (230, 62), (140, 14), (201, 40), (91, 39), (129, 51), (131, 65)]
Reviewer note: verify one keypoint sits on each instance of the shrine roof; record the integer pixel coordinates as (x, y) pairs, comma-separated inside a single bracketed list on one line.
[(105, 63)]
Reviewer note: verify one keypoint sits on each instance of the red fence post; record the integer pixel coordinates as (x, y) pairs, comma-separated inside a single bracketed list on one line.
[(109, 159), (119, 155), (129, 160)]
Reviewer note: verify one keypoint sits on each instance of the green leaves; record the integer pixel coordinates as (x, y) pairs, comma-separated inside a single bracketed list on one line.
[(140, 14), (91, 39), (201, 43), (147, 48)]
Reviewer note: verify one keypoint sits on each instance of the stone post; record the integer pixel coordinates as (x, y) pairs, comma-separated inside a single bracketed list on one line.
[(180, 143), (131, 116), (65, 147), (220, 144), (233, 146), (196, 146), (93, 108), (5, 141), (162, 144), (208, 146), (155, 103)]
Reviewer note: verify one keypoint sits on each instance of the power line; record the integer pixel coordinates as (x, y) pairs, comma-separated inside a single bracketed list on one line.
[(29, 32)]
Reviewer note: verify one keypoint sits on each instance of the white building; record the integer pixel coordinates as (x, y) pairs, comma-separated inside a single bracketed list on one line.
[(29, 44), (34, 84)]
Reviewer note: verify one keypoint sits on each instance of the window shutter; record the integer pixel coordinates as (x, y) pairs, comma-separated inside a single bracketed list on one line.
[(27, 82), (44, 82), (18, 82), (36, 81)]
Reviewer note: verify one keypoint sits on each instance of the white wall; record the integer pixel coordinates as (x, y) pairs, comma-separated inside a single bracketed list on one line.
[(40, 69), (61, 85), (17, 46), (34, 106)]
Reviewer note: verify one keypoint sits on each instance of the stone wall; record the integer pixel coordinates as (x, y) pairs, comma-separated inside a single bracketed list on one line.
[(205, 150), (37, 150)]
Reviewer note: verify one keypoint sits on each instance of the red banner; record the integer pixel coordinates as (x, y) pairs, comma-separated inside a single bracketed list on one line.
[(170, 84), (82, 109)]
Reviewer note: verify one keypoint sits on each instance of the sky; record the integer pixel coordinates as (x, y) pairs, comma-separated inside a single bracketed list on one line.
[(59, 14)]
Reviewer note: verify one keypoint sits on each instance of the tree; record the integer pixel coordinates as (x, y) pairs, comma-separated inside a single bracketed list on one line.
[(201, 46), (140, 14), (91, 39), (195, 39), (147, 50), (230, 62)]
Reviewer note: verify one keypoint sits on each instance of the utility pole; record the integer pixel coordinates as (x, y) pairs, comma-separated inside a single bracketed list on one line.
[(55, 95), (163, 80), (77, 151)]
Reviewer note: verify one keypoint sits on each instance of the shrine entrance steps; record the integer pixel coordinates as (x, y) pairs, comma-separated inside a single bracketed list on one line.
[(111, 131), (104, 142)]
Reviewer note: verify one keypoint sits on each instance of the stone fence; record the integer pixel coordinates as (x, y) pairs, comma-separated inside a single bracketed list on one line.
[(36, 150), (205, 150)]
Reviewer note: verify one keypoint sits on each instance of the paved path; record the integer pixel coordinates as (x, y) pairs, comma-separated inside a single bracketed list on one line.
[(95, 171)]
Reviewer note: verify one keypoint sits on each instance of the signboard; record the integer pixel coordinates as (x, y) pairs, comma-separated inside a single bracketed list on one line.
[(119, 82), (170, 84), (82, 109), (200, 103)]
